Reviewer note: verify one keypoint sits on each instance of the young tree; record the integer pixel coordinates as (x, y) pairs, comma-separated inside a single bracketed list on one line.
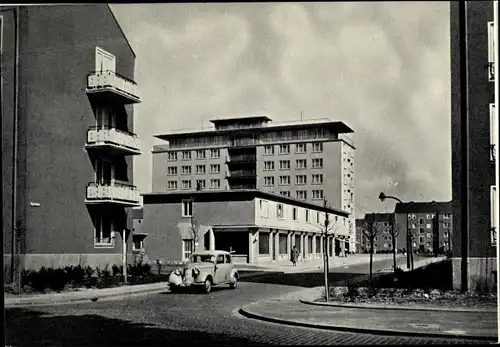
[(394, 230), (371, 230), (194, 229)]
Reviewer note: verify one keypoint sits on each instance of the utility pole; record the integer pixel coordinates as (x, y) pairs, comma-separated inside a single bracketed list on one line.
[(325, 250)]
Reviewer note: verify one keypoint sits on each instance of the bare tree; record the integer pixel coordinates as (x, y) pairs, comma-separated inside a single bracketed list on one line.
[(194, 230), (394, 230), (371, 231)]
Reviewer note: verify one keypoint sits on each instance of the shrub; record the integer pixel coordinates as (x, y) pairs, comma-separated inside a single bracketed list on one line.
[(117, 270)]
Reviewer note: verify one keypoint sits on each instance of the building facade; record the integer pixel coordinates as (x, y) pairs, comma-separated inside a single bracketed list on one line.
[(256, 226), (67, 143), (308, 161), (430, 225), (474, 155), (383, 241)]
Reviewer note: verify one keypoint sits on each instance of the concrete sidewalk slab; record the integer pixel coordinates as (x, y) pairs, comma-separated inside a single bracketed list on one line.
[(471, 325)]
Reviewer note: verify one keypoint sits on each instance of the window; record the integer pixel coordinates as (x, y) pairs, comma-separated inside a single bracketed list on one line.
[(214, 168), (283, 244), (268, 165), (186, 155), (318, 244), (284, 164), (421, 230), (309, 243), (429, 235), (445, 234), (279, 211), (186, 184), (413, 225), (186, 170), (285, 193), (263, 243), (318, 179), (317, 147), (301, 195), (137, 243), (420, 221), (446, 216), (172, 156), (104, 61), (263, 207), (294, 213), (214, 184), (200, 169), (493, 211), (172, 171), (300, 179), (446, 225), (491, 51), (307, 216), (268, 150), (172, 185), (284, 149), (284, 180), (227, 258), (200, 154), (300, 148), (201, 184), (268, 181), (103, 230), (317, 217), (187, 247), (215, 153), (493, 133), (301, 163), (421, 239), (428, 225), (317, 163), (317, 194), (187, 208), (219, 259)]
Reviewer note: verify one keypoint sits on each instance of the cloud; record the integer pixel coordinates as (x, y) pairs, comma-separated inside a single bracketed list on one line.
[(383, 68)]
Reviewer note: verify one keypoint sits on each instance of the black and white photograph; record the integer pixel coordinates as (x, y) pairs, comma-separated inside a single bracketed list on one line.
[(250, 173)]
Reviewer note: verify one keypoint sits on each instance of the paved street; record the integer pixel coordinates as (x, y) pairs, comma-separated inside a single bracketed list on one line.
[(171, 319)]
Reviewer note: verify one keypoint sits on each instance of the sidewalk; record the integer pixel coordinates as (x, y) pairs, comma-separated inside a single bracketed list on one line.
[(93, 294), (314, 264), (296, 309)]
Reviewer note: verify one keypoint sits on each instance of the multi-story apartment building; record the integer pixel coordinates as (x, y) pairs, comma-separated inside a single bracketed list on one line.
[(429, 223), (383, 240), (256, 226), (308, 161), (67, 101), (474, 143)]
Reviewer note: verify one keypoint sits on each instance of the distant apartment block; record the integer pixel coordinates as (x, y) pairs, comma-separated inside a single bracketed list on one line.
[(308, 161), (477, 242), (255, 226), (67, 138)]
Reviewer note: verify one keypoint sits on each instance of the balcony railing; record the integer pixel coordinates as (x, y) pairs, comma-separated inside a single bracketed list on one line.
[(109, 82), (114, 139), (241, 173), (241, 158), (112, 193)]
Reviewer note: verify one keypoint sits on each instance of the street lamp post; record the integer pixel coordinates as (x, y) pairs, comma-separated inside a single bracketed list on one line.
[(382, 197)]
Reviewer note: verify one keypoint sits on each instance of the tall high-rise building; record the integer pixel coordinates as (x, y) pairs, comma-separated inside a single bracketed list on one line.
[(307, 160)]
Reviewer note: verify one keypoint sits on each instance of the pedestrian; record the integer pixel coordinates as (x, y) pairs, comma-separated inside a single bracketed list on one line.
[(294, 256)]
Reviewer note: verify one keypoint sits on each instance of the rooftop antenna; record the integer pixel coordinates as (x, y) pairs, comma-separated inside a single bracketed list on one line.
[(301, 115)]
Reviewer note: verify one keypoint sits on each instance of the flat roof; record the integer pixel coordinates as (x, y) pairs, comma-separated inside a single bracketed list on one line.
[(233, 195), (424, 207), (238, 119), (338, 127)]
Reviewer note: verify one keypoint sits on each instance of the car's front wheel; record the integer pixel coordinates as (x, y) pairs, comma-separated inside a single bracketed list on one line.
[(207, 286), (234, 282)]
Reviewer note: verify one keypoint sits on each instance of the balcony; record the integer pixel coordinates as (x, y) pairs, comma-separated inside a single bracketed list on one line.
[(113, 141), (241, 174), (110, 86), (114, 193), (234, 159)]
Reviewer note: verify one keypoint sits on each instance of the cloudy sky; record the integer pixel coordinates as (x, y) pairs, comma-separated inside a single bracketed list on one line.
[(381, 67)]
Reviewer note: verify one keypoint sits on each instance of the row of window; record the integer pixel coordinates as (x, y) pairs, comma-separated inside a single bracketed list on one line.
[(200, 154), (299, 148), (491, 51), (316, 163), (187, 184), (187, 169), (299, 179), (317, 194), (428, 216)]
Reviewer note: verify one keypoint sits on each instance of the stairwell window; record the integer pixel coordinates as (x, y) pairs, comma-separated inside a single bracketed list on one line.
[(294, 214), (187, 208), (493, 133), (279, 211), (491, 51)]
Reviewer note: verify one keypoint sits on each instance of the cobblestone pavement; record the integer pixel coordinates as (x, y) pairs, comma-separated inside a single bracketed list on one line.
[(177, 319)]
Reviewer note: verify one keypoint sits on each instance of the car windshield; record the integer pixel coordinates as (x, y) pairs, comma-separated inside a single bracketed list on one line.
[(202, 258)]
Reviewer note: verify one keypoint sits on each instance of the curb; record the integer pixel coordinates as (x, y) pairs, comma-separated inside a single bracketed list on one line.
[(252, 315), (397, 307)]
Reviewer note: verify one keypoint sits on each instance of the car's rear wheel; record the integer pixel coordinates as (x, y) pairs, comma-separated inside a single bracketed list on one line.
[(234, 282)]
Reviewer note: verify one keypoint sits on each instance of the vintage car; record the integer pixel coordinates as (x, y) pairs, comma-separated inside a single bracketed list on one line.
[(204, 270)]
